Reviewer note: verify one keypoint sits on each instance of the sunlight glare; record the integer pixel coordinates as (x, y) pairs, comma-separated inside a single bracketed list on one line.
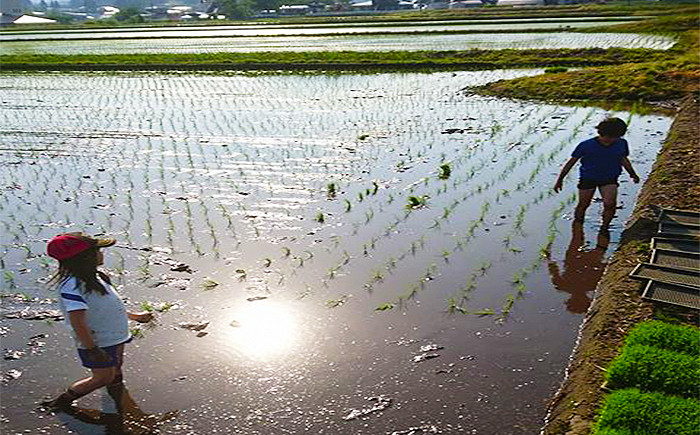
[(264, 329)]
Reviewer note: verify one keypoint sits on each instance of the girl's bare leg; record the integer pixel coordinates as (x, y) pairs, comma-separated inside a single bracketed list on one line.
[(100, 377), (584, 200)]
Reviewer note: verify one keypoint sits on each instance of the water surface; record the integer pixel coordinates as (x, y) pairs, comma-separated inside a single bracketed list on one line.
[(230, 176)]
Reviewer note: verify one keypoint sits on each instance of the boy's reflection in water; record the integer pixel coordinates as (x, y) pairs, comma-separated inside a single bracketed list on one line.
[(583, 268), (129, 418)]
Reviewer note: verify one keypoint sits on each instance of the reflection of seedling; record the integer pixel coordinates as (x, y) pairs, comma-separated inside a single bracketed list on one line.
[(286, 252), (334, 303), (375, 187), (453, 307), (444, 171), (507, 305), (241, 274), (484, 267), (348, 205)]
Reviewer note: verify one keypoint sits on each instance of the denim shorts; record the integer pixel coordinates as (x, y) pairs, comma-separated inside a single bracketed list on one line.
[(585, 184), (110, 350)]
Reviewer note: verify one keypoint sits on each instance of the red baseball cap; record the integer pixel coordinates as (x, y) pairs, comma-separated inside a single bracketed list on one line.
[(68, 245)]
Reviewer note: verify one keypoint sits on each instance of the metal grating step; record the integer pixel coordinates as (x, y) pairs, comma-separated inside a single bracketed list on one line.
[(667, 274), (682, 245), (682, 217), (669, 229), (672, 294), (688, 260)]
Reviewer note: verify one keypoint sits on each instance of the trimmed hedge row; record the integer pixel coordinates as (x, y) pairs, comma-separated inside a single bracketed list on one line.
[(658, 364), (678, 338), (631, 411), (653, 369)]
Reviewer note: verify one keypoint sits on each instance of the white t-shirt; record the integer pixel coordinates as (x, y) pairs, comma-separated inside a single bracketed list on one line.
[(106, 314)]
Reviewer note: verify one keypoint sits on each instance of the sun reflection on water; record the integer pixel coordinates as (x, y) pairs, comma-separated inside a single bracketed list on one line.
[(264, 329)]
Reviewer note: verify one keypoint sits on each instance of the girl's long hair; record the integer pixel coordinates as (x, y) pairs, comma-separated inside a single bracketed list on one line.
[(83, 267)]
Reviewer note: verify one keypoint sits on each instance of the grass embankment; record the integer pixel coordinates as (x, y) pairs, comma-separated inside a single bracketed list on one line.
[(657, 376), (651, 80), (353, 60)]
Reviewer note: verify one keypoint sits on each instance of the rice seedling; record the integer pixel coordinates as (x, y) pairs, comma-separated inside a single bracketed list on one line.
[(385, 307), (320, 218), (348, 206), (209, 284), (331, 190), (415, 202), (444, 171)]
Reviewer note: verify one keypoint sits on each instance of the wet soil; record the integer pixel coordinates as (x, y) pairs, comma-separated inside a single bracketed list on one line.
[(673, 183)]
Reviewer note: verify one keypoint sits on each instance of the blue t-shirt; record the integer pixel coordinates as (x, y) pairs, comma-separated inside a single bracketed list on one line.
[(600, 162)]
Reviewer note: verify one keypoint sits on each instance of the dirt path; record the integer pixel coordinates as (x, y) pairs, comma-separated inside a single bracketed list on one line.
[(673, 183)]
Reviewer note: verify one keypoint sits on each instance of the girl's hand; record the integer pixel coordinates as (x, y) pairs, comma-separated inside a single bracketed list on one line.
[(142, 317)]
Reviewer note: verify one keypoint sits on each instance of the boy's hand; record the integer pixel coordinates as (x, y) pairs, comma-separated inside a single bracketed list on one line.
[(635, 178), (557, 186), (142, 317)]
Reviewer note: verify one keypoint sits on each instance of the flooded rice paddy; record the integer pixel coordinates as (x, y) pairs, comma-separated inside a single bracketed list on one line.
[(341, 254), (310, 30), (421, 39)]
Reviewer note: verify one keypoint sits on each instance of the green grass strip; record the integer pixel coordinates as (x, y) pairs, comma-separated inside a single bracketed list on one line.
[(653, 369), (481, 59), (633, 412), (610, 431), (678, 338)]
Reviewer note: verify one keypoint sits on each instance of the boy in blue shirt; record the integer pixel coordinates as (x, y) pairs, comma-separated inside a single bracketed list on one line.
[(602, 159)]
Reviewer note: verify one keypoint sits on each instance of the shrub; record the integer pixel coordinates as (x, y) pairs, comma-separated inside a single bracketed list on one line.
[(632, 412), (654, 369), (678, 338)]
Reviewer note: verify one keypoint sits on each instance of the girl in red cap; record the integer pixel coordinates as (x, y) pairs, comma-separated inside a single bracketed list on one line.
[(96, 313)]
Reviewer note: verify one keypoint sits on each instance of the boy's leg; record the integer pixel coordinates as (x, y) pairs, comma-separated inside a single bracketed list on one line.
[(609, 194), (584, 200)]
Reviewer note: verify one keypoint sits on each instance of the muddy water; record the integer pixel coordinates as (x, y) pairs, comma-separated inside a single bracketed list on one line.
[(314, 309)]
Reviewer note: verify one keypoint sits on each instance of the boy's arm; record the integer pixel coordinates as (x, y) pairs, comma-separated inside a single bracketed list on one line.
[(630, 170), (565, 170)]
